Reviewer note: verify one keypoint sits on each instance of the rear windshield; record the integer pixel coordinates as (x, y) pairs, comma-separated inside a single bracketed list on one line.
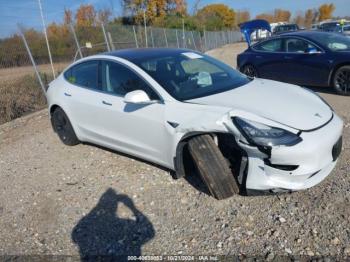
[(334, 42)]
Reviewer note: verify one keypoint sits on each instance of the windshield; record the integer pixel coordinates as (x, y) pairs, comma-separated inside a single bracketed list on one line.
[(334, 42), (191, 75)]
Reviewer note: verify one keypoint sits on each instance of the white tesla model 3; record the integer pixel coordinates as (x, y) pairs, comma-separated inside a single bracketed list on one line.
[(179, 108)]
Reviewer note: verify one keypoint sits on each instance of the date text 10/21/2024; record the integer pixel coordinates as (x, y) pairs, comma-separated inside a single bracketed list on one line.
[(173, 258)]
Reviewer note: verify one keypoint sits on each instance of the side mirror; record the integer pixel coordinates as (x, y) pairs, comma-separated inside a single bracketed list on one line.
[(312, 51), (137, 97)]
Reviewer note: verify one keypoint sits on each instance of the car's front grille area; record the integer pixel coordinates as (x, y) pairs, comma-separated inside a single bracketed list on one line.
[(336, 150), (281, 167)]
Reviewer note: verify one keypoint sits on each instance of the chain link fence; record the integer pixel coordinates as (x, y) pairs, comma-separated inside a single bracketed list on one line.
[(20, 90)]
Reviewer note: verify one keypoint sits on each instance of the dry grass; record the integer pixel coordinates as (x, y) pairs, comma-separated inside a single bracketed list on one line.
[(20, 96), (20, 92)]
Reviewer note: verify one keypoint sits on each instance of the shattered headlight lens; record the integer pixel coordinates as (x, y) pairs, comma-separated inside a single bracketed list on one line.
[(264, 135)]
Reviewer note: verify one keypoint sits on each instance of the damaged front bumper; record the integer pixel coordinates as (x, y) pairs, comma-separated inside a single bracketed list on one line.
[(290, 168)]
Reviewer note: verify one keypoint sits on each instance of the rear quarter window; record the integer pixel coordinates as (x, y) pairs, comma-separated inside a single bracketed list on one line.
[(84, 74)]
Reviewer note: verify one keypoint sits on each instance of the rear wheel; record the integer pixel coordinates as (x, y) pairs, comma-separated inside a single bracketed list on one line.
[(250, 71), (63, 127), (341, 81), (212, 167)]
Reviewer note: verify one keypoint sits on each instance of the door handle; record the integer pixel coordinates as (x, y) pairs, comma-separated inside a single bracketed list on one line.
[(288, 57), (66, 94), (258, 56), (106, 103)]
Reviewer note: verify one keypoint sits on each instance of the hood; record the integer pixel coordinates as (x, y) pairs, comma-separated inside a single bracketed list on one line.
[(286, 104)]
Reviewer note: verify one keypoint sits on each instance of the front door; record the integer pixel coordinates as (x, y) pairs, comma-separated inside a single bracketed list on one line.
[(138, 129)]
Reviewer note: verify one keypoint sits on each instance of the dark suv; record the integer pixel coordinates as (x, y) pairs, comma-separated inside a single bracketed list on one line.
[(285, 28)]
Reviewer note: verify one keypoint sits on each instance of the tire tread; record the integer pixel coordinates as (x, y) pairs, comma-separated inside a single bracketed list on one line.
[(70, 138)]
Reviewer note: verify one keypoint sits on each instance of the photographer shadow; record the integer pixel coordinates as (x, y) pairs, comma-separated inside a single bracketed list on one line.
[(102, 235)]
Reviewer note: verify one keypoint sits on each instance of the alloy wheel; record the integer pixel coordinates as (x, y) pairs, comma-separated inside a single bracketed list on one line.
[(342, 80), (61, 125), (250, 71)]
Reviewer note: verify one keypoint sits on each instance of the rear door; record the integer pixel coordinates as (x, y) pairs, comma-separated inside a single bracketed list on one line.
[(268, 59), (80, 96)]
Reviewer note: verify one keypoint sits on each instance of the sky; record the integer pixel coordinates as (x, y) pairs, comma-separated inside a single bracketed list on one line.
[(27, 13)]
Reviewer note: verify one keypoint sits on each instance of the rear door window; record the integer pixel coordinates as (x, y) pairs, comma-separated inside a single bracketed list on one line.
[(274, 45)]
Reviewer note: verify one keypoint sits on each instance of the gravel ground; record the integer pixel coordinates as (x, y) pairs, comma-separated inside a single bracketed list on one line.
[(59, 200)]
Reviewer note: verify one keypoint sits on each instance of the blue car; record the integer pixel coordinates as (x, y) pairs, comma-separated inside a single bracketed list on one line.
[(307, 58)]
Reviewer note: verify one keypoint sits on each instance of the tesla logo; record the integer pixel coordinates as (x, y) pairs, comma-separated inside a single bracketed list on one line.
[(318, 115)]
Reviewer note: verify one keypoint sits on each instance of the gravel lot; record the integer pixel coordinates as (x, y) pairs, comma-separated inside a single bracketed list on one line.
[(84, 200)]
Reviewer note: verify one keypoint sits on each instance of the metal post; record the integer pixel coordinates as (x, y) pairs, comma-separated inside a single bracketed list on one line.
[(105, 36), (209, 37), (144, 22), (194, 43), (166, 40), (211, 40), (47, 40), (111, 40), (151, 30), (32, 60), (205, 40), (177, 39), (183, 33), (76, 40), (135, 36)]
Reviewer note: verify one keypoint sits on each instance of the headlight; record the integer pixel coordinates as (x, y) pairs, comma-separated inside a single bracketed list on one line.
[(263, 135)]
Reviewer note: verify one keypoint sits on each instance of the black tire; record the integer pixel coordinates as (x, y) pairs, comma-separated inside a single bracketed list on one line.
[(63, 127), (212, 167), (249, 70), (341, 81)]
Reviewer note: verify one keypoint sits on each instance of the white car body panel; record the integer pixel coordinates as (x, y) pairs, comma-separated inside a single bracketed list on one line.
[(310, 155), (283, 103), (144, 130)]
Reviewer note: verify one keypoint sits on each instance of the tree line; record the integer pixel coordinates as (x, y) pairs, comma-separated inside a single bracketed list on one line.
[(156, 13)]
